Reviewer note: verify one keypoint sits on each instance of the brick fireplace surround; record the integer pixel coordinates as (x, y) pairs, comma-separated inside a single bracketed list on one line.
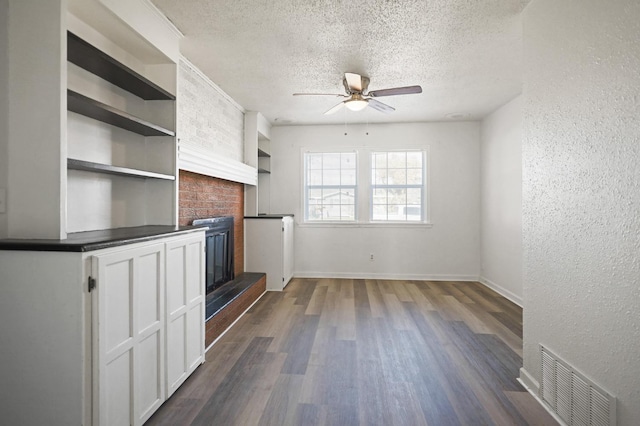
[(202, 197)]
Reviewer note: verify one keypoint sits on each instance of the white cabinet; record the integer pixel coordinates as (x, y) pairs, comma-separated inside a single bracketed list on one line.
[(269, 248), (185, 309), (103, 352), (129, 334)]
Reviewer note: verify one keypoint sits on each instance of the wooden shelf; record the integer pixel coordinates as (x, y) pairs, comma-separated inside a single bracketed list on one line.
[(88, 166), (263, 154), (102, 112), (95, 61)]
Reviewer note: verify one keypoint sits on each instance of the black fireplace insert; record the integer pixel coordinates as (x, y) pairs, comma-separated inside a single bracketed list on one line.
[(219, 251)]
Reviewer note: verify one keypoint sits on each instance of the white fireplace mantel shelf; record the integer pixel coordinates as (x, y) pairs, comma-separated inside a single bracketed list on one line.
[(204, 163)]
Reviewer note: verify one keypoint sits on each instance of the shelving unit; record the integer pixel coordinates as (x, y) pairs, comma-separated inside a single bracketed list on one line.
[(102, 112), (145, 151), (95, 61), (89, 166)]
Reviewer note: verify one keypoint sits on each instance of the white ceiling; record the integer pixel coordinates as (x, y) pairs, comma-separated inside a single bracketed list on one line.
[(466, 54)]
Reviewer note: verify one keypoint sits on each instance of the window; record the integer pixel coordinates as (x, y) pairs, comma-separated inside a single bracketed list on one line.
[(330, 186), (397, 186)]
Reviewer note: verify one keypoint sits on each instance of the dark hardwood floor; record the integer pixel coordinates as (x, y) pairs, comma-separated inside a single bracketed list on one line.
[(364, 352)]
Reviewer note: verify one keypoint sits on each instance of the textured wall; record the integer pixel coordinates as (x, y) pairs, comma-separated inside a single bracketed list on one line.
[(450, 249), (501, 203), (207, 120), (201, 197), (581, 191)]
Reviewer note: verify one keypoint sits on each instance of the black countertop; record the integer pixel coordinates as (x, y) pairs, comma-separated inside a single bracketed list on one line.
[(96, 240), (269, 216)]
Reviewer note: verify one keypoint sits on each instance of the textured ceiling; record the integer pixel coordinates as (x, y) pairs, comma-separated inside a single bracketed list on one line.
[(466, 54)]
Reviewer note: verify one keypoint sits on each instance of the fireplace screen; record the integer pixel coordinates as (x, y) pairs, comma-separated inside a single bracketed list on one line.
[(219, 249)]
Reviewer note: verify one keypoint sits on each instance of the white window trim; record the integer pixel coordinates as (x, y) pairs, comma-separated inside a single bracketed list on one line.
[(363, 186)]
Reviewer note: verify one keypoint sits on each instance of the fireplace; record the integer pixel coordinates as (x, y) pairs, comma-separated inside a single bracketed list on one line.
[(219, 251)]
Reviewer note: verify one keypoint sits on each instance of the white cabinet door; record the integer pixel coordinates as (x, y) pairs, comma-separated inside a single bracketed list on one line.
[(185, 308), (128, 334)]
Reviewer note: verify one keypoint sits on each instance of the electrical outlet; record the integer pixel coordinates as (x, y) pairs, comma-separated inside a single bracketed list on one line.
[(371, 256), (3, 200)]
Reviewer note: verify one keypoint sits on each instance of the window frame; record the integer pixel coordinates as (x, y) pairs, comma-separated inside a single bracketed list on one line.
[(306, 187), (363, 204), (422, 186)]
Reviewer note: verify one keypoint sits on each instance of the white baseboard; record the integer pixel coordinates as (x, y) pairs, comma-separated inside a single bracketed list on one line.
[(383, 276), (501, 291)]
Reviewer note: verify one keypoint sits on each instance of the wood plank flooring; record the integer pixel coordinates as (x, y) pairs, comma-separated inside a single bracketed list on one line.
[(364, 352)]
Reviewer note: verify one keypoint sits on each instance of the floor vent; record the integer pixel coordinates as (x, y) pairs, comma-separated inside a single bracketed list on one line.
[(573, 397)]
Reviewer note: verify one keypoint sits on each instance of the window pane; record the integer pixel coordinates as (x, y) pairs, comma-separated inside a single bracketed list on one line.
[(379, 212), (414, 176), (379, 196), (414, 196), (331, 161), (314, 177), (380, 160), (397, 160), (314, 196), (314, 161), (397, 176), (380, 177), (331, 177), (348, 160), (348, 177), (414, 159), (347, 197), (397, 196), (347, 212)]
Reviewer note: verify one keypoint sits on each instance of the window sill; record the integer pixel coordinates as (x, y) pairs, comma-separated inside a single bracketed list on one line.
[(365, 225)]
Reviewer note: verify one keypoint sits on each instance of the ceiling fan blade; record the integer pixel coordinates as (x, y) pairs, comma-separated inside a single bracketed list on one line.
[(354, 81), (408, 90), (379, 106), (319, 94), (335, 109)]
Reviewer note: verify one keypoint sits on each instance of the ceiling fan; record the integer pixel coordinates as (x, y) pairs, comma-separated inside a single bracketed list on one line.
[(358, 98)]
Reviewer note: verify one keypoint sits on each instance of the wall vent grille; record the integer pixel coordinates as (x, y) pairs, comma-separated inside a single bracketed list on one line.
[(573, 397)]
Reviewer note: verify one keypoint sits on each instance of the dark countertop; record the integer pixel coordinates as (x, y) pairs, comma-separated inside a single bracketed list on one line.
[(96, 240), (269, 216)]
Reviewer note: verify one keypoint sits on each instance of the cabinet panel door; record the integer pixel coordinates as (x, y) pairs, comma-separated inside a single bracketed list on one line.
[(128, 330), (185, 308)]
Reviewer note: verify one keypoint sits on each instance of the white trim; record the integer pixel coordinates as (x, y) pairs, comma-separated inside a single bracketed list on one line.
[(197, 161), (346, 224), (383, 276), (502, 291), (233, 323), (212, 84), (532, 386), (162, 16)]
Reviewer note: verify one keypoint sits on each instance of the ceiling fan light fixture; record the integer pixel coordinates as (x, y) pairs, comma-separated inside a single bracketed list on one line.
[(356, 103)]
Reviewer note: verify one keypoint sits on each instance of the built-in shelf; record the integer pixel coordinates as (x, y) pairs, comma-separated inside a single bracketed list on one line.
[(261, 153), (260, 170), (86, 56), (107, 114), (88, 166)]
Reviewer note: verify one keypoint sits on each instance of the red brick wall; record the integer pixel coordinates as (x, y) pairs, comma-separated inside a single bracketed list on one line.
[(200, 197)]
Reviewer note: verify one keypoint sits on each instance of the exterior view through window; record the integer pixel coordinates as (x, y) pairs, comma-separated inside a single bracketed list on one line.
[(397, 186), (330, 186)]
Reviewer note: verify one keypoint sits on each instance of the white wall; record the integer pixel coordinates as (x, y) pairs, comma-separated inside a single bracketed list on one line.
[(4, 106), (36, 193), (501, 205), (581, 191), (450, 249), (208, 120)]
